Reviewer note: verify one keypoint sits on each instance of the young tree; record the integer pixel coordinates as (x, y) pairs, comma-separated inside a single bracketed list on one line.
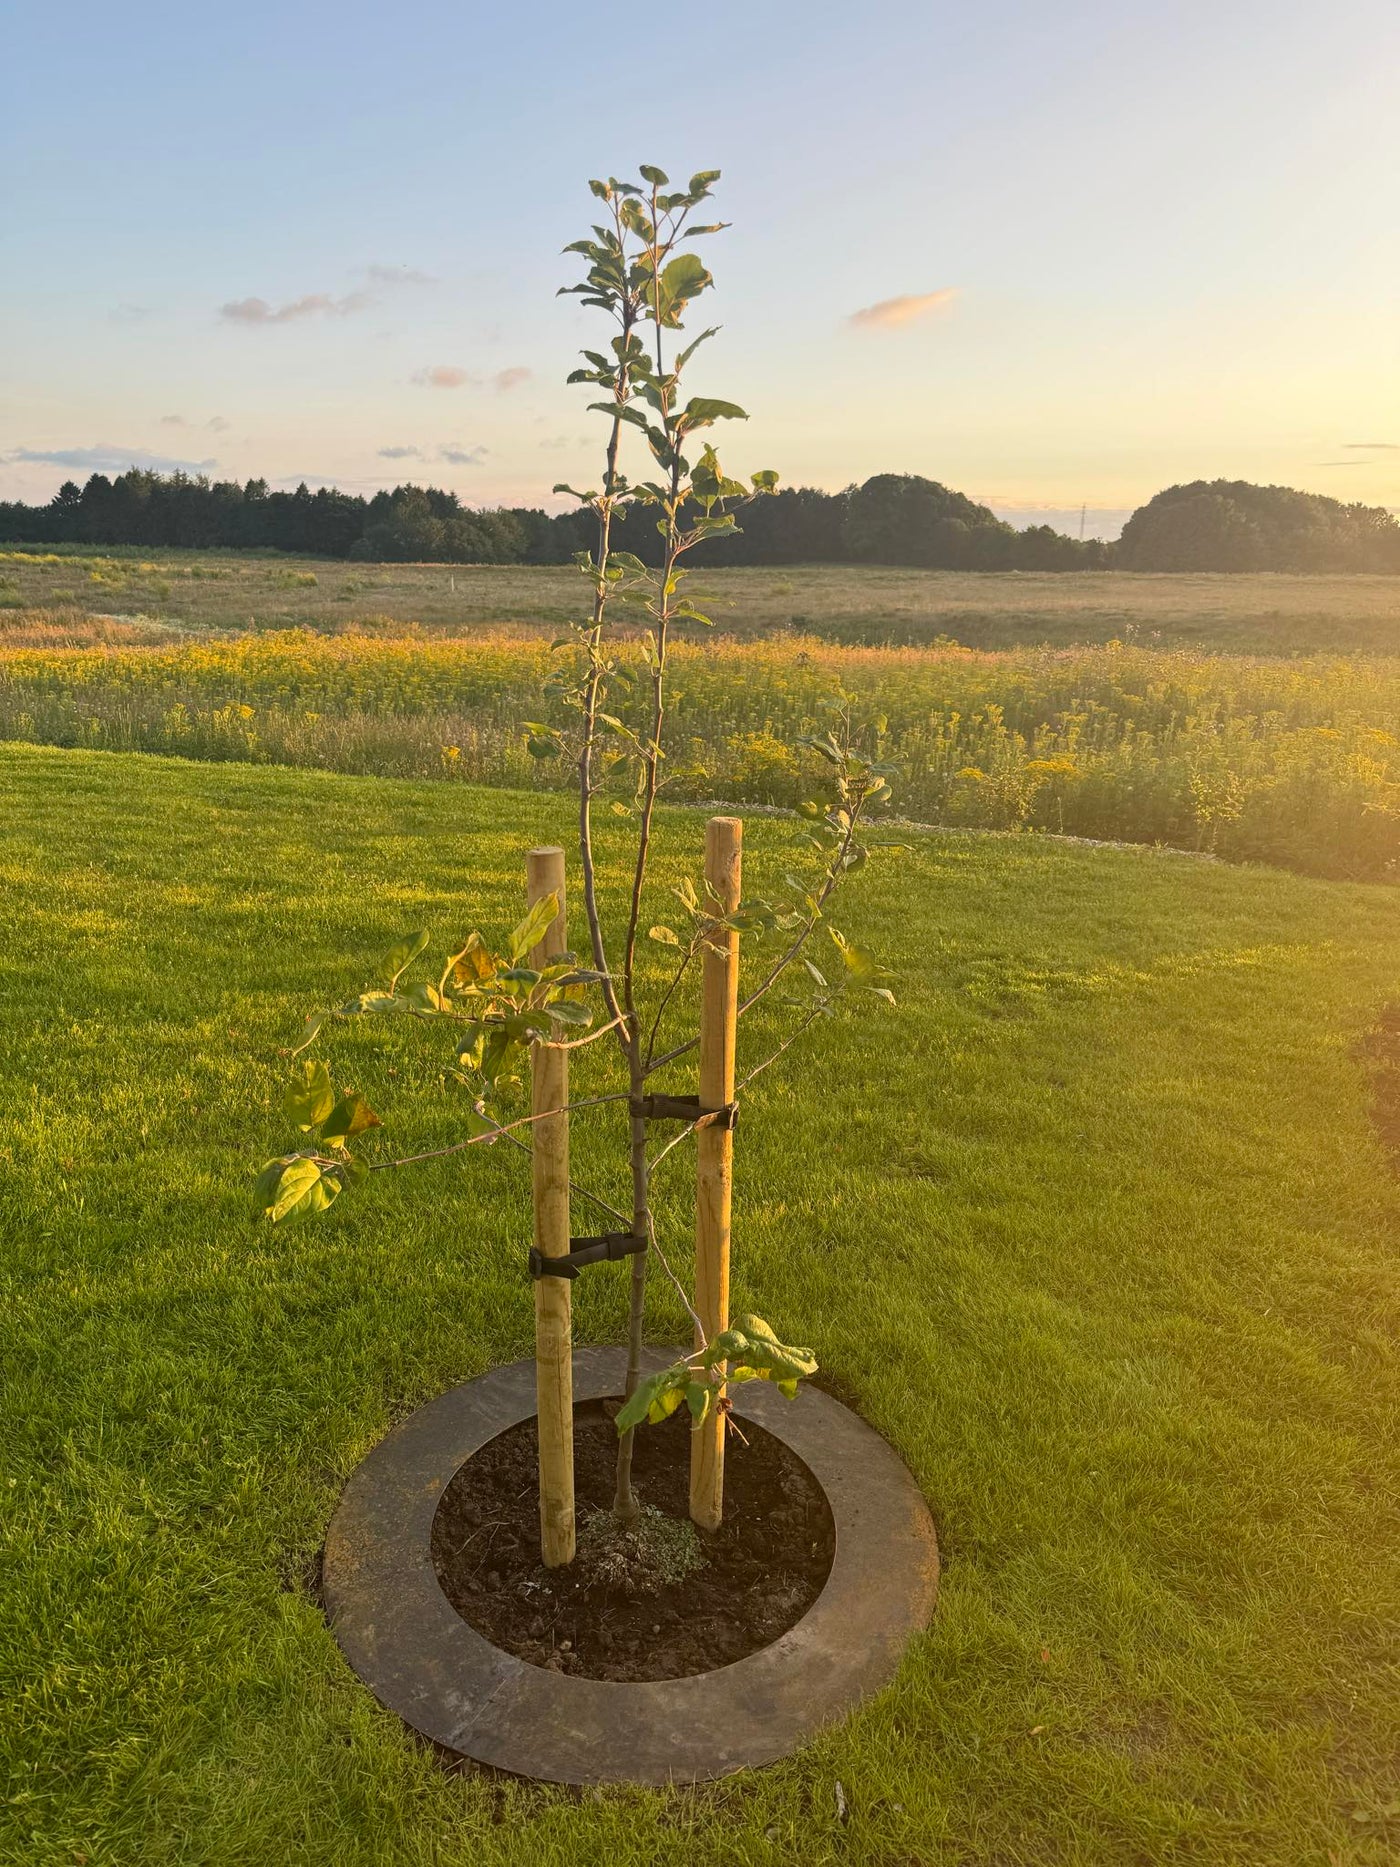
[(608, 713)]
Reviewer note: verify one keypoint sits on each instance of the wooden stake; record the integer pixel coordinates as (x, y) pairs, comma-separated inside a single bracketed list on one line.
[(554, 1372), (715, 1149)]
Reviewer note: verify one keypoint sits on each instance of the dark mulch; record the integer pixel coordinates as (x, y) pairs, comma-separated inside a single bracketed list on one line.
[(764, 1567)]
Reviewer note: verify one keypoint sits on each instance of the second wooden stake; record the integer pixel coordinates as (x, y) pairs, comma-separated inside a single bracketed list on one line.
[(715, 1163), (554, 1372)]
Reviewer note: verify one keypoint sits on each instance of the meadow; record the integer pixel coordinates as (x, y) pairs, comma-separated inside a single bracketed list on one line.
[(1292, 761), (1095, 1229), (1252, 614)]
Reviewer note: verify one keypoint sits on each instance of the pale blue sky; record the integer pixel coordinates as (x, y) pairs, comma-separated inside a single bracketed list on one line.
[(1169, 234)]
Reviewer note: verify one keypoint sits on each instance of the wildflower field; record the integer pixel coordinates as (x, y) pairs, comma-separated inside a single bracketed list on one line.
[(1290, 761)]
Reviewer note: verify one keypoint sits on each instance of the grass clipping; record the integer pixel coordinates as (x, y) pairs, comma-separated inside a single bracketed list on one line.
[(640, 1558)]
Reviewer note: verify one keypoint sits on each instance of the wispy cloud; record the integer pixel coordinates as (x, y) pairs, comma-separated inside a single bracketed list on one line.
[(217, 424), (1375, 447), (442, 376), (453, 452), (130, 314), (399, 275), (1341, 463), (891, 313), (257, 311), (448, 376), (172, 421), (104, 458)]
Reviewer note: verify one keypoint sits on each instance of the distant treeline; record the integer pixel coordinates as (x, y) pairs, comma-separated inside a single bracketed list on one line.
[(894, 518)]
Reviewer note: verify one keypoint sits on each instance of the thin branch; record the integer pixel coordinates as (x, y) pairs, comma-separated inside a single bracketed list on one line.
[(791, 1038), (577, 1043), (497, 1130), (674, 1142), (664, 390), (680, 1287), (835, 870), (626, 318), (582, 1191), (666, 997), (743, 1083)]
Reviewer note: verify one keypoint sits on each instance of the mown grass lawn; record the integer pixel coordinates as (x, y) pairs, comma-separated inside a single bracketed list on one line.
[(1094, 1228)]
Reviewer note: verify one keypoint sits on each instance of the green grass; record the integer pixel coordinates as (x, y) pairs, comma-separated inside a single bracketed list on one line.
[(1262, 613), (1094, 1229)]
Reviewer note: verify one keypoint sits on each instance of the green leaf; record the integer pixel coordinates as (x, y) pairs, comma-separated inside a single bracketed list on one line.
[(701, 410), (569, 1011), (534, 927), (423, 997), (664, 936), (474, 965), (684, 278), (692, 347), (309, 1097), (295, 1187), (858, 962), (370, 1002), (400, 956), (649, 1397), (350, 1116), (309, 1031), (657, 177), (755, 1353)]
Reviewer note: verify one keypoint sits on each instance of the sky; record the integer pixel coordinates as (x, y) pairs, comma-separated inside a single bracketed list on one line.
[(1054, 256)]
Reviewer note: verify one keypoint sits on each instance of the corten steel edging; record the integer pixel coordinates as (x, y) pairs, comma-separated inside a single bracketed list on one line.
[(421, 1659)]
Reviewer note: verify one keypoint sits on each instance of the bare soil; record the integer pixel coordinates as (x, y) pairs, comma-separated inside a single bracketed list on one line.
[(761, 1571)]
